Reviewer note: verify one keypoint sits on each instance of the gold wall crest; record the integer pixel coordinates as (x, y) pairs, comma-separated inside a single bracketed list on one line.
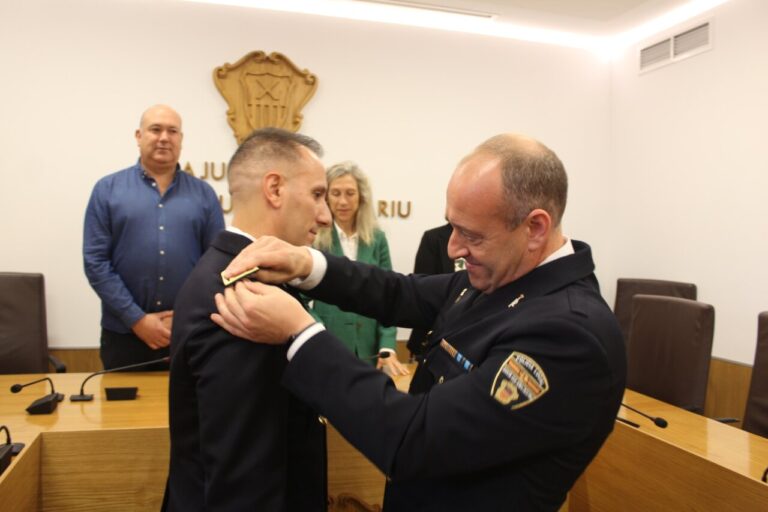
[(264, 90)]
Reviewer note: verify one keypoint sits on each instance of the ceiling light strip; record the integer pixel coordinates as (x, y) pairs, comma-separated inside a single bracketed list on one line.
[(436, 8)]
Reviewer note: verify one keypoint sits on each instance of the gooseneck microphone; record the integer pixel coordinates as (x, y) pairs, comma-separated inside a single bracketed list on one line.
[(659, 422), (15, 447), (44, 405), (126, 392), (8, 449)]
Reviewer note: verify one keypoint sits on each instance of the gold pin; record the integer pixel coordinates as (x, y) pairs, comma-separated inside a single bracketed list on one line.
[(514, 302), (229, 281), (460, 295)]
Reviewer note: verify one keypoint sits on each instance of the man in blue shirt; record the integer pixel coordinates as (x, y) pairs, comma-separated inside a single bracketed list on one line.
[(145, 228)]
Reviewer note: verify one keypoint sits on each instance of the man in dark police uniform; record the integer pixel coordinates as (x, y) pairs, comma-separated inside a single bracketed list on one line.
[(525, 367)]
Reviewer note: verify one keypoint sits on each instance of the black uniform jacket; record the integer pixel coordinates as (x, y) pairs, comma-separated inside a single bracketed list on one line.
[(504, 415), (431, 258), (239, 440)]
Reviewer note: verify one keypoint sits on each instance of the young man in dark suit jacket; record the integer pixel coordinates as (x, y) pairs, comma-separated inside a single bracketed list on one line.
[(239, 440)]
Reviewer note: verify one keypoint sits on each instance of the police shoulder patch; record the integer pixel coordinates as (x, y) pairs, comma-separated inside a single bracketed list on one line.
[(520, 381)]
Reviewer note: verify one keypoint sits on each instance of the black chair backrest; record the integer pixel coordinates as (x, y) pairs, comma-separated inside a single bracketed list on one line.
[(626, 288), (756, 413), (669, 349), (23, 330)]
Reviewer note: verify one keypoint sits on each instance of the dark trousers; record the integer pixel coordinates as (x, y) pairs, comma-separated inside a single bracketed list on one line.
[(118, 349)]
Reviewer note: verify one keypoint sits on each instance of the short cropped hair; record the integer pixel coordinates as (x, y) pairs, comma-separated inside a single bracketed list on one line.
[(261, 149), (532, 175)]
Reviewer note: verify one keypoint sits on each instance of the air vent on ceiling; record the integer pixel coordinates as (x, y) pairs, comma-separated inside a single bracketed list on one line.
[(677, 47)]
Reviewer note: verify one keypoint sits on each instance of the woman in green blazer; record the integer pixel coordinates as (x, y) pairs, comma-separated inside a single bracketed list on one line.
[(356, 235)]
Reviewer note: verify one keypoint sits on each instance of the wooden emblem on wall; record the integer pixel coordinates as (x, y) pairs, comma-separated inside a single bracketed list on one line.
[(264, 90)]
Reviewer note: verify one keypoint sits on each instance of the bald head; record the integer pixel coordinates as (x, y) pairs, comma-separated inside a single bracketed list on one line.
[(156, 111), (532, 176), (159, 139)]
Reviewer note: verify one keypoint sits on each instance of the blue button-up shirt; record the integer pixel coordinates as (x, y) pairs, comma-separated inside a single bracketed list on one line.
[(139, 247)]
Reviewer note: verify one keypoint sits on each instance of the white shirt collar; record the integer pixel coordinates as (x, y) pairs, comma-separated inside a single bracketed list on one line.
[(342, 234), (565, 250), (348, 243), (233, 229)]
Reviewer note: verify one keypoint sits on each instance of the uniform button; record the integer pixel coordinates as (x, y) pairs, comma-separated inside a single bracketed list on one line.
[(441, 380), (160, 205), (159, 303), (154, 184), (162, 228), (162, 253), (162, 278)]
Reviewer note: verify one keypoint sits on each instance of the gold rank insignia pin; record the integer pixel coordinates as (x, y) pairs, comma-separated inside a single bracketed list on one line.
[(228, 281)]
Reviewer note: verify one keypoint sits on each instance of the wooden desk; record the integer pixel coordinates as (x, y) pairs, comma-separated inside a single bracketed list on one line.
[(693, 464), (96, 455), (113, 455)]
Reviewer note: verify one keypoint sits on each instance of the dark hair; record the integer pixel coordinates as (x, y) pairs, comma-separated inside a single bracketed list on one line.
[(263, 148), (273, 143), (533, 177)]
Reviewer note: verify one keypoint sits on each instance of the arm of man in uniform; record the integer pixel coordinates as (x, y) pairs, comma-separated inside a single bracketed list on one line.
[(389, 297), (152, 328), (465, 424)]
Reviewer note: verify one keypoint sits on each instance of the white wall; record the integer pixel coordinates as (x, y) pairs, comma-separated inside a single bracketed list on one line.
[(405, 103), (688, 174)]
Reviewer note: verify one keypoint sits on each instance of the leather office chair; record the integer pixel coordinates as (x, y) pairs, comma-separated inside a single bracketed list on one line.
[(756, 413), (23, 329), (669, 349), (626, 288)]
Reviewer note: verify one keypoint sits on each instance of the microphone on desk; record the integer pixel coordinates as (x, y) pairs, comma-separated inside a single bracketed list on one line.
[(8, 450), (659, 422), (115, 393), (44, 405)]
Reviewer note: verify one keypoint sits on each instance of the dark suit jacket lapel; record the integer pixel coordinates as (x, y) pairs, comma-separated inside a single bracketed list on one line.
[(230, 243)]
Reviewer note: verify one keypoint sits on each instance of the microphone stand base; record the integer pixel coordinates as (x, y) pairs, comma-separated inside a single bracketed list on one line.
[(80, 398)]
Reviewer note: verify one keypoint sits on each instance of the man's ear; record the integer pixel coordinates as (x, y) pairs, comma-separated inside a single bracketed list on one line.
[(138, 136), (273, 187), (538, 226)]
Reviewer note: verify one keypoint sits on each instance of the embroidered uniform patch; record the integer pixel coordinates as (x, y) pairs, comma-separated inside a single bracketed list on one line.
[(519, 382)]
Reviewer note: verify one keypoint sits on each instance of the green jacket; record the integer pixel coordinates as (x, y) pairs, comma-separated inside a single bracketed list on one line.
[(362, 335)]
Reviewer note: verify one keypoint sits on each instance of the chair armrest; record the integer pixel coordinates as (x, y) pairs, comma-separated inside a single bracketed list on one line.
[(57, 364)]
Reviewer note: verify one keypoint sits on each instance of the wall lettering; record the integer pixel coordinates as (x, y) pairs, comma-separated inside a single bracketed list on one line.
[(392, 209)]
